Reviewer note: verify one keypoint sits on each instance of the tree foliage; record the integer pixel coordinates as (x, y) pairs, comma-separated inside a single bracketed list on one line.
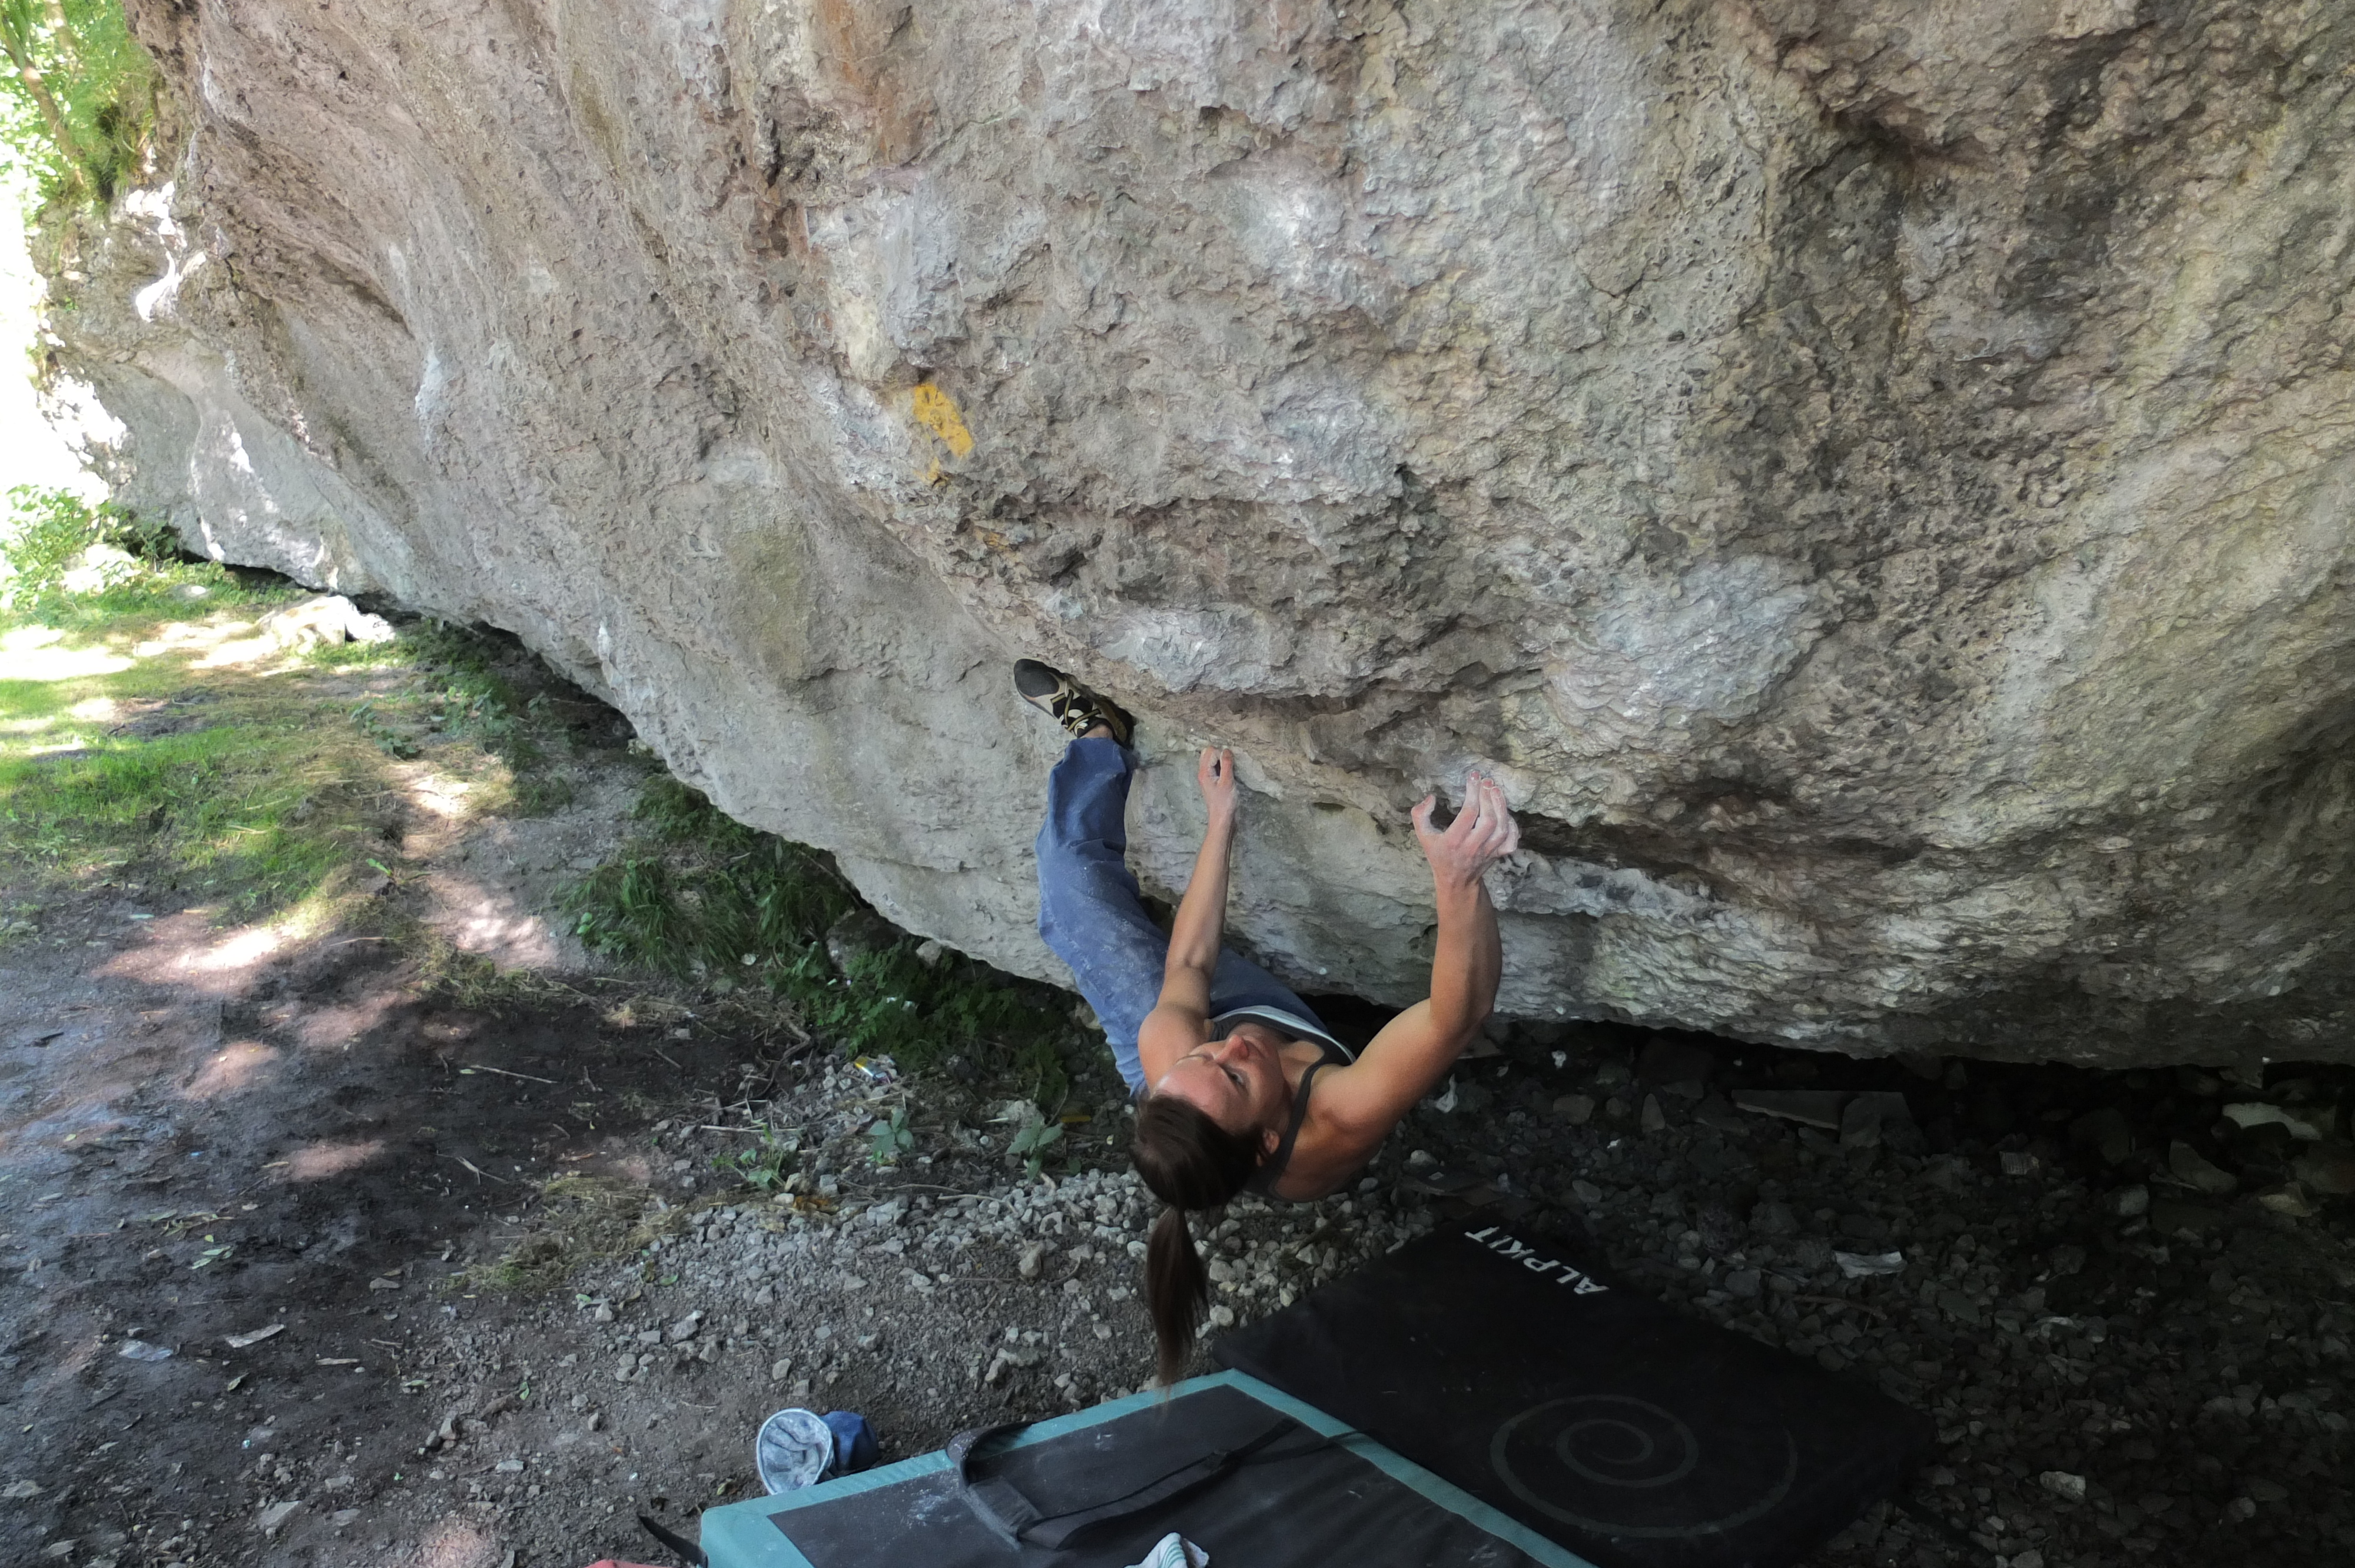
[(83, 92)]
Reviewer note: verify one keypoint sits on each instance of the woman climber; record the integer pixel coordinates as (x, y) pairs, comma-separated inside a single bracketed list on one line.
[(1222, 1056)]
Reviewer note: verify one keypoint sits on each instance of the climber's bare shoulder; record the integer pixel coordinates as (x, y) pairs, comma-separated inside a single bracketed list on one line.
[(1352, 1109), (1173, 1028)]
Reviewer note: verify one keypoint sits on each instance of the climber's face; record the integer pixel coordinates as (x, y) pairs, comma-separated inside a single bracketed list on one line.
[(1237, 1082)]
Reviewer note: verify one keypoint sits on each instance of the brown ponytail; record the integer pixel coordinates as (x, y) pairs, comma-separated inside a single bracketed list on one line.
[(1191, 1163)]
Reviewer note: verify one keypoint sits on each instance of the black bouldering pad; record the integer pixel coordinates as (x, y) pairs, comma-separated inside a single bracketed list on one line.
[(1550, 1389)]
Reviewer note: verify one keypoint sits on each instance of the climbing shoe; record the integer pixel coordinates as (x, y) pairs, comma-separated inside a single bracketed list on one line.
[(1071, 705)]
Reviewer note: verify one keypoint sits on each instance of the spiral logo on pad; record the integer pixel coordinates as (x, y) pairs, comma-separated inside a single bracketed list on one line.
[(1620, 1466)]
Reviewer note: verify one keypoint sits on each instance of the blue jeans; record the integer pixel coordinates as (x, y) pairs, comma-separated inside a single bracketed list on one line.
[(1091, 915)]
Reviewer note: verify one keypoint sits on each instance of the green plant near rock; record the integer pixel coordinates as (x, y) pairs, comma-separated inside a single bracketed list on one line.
[(1032, 1141), (765, 1167), (889, 1137), (49, 533), (699, 897)]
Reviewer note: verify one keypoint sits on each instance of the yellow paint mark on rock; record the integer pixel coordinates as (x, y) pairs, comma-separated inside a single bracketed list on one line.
[(937, 413)]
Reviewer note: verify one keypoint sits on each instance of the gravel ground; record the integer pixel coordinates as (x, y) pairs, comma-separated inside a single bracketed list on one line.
[(944, 1292), (2122, 1365)]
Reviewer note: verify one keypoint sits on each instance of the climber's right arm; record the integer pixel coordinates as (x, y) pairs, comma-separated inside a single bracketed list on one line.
[(1179, 1022)]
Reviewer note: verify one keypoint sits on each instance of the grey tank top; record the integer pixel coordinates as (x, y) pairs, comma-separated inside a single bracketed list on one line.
[(1271, 1170)]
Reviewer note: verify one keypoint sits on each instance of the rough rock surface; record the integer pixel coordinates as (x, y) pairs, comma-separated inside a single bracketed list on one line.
[(1871, 477)]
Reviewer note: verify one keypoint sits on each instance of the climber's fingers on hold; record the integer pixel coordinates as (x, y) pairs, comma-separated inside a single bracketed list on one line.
[(1463, 831), (1484, 804), (1214, 773), (1494, 834)]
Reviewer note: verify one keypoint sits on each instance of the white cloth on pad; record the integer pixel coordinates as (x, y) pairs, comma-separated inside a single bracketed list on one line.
[(1174, 1550)]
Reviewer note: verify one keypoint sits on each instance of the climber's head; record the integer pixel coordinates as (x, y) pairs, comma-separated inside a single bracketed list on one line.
[(1237, 1081)]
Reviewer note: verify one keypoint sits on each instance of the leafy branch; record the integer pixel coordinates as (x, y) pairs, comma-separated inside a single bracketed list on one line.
[(91, 88)]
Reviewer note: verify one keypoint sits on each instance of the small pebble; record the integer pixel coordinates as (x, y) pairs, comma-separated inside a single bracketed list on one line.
[(2063, 1485)]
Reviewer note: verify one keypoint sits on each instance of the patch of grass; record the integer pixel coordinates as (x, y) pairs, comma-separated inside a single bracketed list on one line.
[(732, 919), (891, 1002), (458, 695), (82, 95), (254, 806), (133, 749), (18, 920), (677, 814), (582, 1220), (470, 979), (116, 753), (698, 896)]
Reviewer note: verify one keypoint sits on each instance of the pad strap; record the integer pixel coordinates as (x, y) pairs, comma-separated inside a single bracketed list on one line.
[(687, 1550), (1018, 1521)]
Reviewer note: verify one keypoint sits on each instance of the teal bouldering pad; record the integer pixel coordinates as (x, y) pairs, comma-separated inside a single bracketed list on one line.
[(1314, 1494)]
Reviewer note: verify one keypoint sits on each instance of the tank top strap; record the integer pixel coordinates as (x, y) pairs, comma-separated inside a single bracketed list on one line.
[(1272, 1169)]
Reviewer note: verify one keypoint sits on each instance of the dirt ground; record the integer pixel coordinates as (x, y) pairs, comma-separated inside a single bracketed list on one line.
[(213, 1130), (206, 1147), (457, 1278)]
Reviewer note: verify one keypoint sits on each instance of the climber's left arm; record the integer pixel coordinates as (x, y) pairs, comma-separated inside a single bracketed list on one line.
[(1360, 1103)]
